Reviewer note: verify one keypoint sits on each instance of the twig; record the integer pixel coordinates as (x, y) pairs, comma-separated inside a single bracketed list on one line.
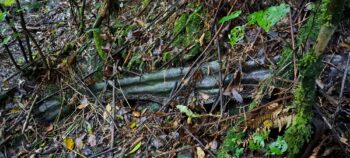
[(28, 115), (199, 142), (20, 44), (113, 110), (23, 24), (10, 55)]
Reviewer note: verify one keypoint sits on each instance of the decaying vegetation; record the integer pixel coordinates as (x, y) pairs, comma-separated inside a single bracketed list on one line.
[(174, 78)]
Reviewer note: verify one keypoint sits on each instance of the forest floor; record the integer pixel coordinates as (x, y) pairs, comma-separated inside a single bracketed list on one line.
[(83, 106)]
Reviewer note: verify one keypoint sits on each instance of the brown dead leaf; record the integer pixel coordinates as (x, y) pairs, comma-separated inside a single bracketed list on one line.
[(83, 103), (49, 128), (160, 114)]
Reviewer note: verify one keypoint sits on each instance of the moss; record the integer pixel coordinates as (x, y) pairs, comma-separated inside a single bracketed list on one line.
[(98, 44), (190, 25), (300, 130), (193, 52)]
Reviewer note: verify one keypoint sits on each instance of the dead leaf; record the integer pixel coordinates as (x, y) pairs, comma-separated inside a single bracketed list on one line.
[(160, 114), (204, 96), (79, 143), (108, 108), (92, 140), (201, 39), (49, 128), (236, 95), (133, 124), (136, 114), (69, 143), (200, 152), (83, 103)]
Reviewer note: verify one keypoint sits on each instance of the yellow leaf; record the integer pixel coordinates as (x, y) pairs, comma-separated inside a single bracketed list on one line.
[(200, 152), (136, 114), (201, 39), (108, 108), (268, 123), (69, 143), (133, 124)]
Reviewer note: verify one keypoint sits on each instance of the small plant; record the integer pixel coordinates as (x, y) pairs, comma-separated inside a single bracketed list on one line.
[(7, 3), (278, 147), (232, 144), (265, 19)]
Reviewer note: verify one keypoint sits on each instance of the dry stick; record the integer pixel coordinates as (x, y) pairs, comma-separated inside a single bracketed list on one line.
[(23, 24), (29, 112), (113, 110), (193, 68), (293, 47), (344, 77), (46, 63), (20, 44), (10, 54)]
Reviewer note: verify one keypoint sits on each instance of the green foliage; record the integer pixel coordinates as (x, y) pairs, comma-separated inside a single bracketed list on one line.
[(300, 130), (310, 29), (277, 147), (236, 34), (232, 144), (193, 52), (166, 56), (187, 111), (190, 24), (232, 16), (265, 19), (98, 43), (136, 59), (269, 17), (297, 134), (5, 40), (3, 15), (7, 2), (258, 141)]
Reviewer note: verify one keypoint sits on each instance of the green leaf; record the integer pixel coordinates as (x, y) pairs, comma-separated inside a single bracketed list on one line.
[(187, 111), (236, 34), (7, 3), (231, 16), (2, 16), (269, 17), (136, 147), (278, 147), (6, 40)]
